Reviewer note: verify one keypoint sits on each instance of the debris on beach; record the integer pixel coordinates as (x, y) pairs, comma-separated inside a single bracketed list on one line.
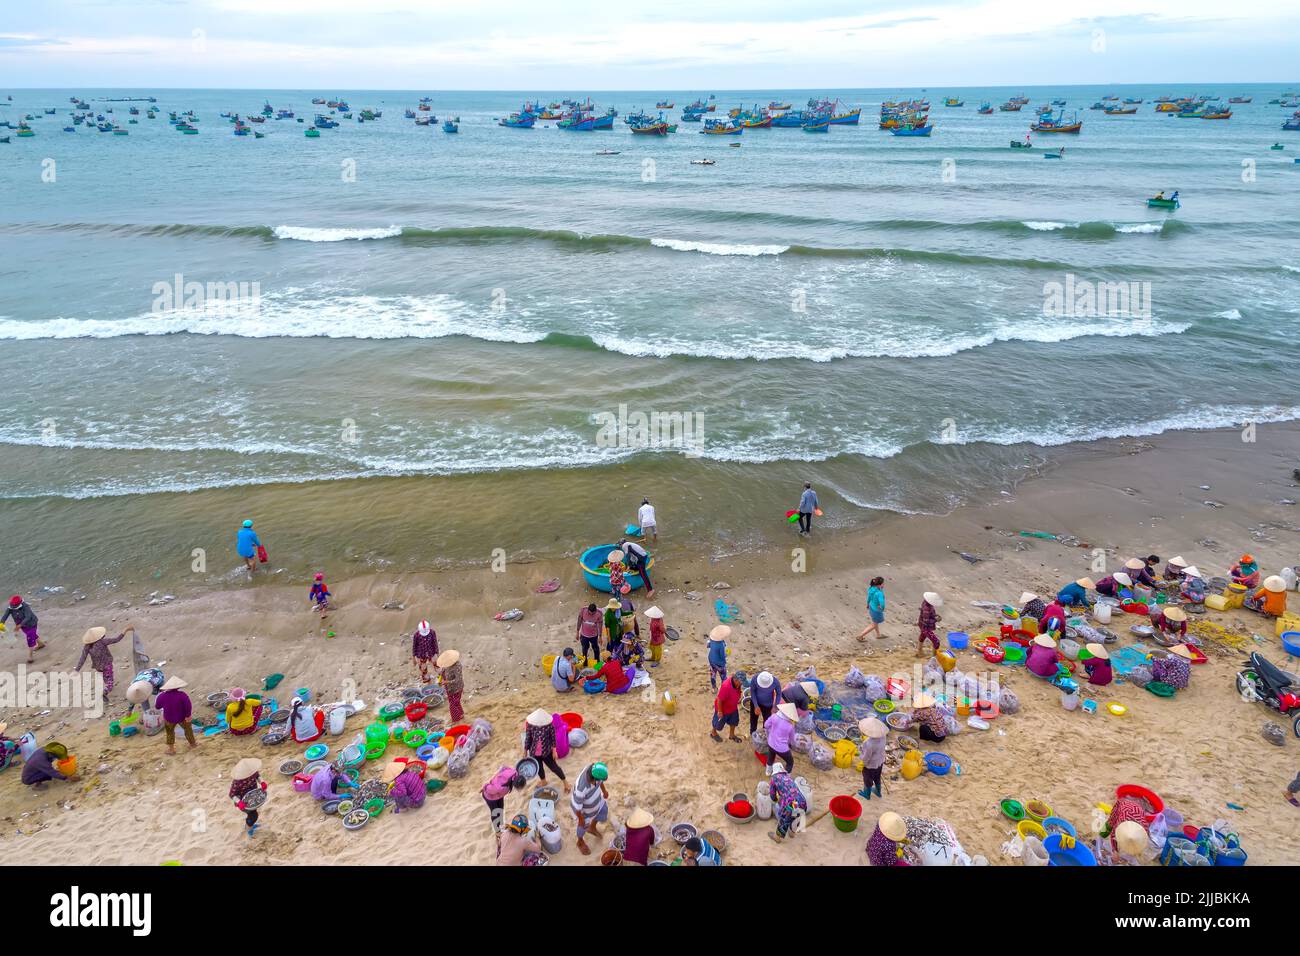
[(549, 586), (514, 614), (393, 606)]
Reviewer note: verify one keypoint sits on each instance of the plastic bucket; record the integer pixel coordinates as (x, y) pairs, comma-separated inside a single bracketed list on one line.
[(1070, 701), (338, 719), (1101, 613), (763, 800), (958, 640), (845, 811)]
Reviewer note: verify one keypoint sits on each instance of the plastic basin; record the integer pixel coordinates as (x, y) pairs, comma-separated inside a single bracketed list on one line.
[(573, 720), (1060, 824), (1058, 855), (1142, 793), (593, 558), (958, 640), (416, 711), (938, 764), (1028, 828), (1012, 809)]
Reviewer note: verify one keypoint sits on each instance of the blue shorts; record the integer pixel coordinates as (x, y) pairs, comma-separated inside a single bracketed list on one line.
[(877, 617)]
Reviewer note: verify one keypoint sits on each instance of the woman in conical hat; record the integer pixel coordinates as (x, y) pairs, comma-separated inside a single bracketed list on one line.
[(244, 781), (95, 645)]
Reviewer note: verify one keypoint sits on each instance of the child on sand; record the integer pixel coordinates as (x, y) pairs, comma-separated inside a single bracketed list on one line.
[(875, 608), (320, 594), (927, 620), (718, 654), (424, 648), (246, 779)]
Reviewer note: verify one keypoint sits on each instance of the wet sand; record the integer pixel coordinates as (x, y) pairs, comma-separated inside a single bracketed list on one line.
[(1200, 750)]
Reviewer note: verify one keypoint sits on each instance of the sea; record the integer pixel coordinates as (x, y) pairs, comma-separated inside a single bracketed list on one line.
[(396, 348)]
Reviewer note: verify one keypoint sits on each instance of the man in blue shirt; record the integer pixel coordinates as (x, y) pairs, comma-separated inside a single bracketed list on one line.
[(807, 505), (247, 543)]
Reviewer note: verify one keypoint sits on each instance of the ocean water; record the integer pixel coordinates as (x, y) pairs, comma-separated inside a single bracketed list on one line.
[(432, 332)]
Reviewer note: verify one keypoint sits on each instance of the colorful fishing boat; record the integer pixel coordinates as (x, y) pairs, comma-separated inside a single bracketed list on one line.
[(312, 132), (663, 105), (1120, 111), (849, 118), (1016, 144), (985, 109), (1240, 99), (820, 125), (722, 128), (658, 128), (756, 122), (1057, 124), (1217, 115), (911, 130), (954, 101), (515, 121), (450, 126), (1160, 202), (1011, 106)]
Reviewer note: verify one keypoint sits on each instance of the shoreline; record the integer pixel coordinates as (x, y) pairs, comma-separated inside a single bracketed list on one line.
[(1126, 499)]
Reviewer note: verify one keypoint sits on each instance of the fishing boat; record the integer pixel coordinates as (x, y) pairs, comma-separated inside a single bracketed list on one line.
[(449, 126), (693, 116), (550, 114), (121, 131), (1132, 102), (663, 105), (1159, 202), (1293, 123), (1217, 115), (755, 122), (776, 107), (607, 152), (515, 121), (409, 114), (1058, 102), (1010, 106), (910, 130), (703, 162), (1277, 146), (4, 139), (1057, 124), (846, 119), (69, 129), (25, 130), (721, 128), (954, 101), (1017, 144), (789, 120), (1120, 111), (819, 125), (985, 109), (312, 133), (657, 128), (1240, 99)]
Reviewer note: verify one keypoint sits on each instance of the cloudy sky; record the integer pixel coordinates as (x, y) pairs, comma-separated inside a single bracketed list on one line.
[(654, 44)]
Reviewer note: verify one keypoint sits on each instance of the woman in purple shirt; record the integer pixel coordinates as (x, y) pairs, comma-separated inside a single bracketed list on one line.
[(407, 788), (780, 735), (176, 711), (1042, 657), (883, 847)]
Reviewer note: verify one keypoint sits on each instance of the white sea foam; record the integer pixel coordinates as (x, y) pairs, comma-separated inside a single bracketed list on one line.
[(308, 234), (1050, 226), (1228, 314), (718, 248), (1141, 227)]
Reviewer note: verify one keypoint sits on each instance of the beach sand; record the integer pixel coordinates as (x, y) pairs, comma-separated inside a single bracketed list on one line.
[(1201, 750)]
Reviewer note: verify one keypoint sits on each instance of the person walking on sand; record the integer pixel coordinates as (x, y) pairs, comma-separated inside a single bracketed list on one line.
[(424, 649), (875, 608), (319, 594), (539, 743), (95, 646), (245, 779), (453, 682), (247, 543), (807, 506), (590, 622), (590, 802), (789, 805), (726, 710), (177, 710), (927, 620), (645, 517), (717, 643), (25, 620)]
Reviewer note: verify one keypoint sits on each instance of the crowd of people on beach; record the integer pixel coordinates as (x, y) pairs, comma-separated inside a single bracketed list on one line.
[(613, 656)]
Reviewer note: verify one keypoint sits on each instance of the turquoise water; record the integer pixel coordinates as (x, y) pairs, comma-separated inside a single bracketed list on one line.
[(863, 309)]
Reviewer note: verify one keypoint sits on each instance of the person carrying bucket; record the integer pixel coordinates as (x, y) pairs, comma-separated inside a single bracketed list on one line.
[(807, 506), (873, 755), (247, 543), (424, 649), (25, 620), (453, 682)]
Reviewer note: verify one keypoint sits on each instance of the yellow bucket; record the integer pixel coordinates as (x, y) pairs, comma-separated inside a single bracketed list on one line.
[(1029, 625), (964, 705), (548, 661), (1287, 622), (1216, 602), (1234, 595), (669, 703)]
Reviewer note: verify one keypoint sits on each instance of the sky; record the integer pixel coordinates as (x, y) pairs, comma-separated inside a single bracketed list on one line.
[(651, 45)]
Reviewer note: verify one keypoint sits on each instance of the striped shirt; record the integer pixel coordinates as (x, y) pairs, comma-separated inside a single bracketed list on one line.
[(587, 797)]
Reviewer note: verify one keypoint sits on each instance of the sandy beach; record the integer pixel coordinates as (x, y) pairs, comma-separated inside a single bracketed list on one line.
[(133, 804)]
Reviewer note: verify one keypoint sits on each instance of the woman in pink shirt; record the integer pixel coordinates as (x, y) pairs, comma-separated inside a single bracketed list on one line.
[(1042, 657), (407, 788)]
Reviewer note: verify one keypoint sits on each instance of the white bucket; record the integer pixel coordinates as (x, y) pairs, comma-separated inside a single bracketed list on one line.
[(805, 788), (551, 841), (1070, 701), (338, 718), (1101, 613), (1034, 853), (764, 800)]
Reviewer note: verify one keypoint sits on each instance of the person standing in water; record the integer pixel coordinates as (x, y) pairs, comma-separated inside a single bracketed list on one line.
[(807, 505), (247, 543), (645, 517)]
